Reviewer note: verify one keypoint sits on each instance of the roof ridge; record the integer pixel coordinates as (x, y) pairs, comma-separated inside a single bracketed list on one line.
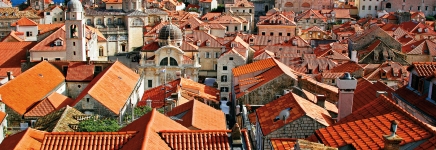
[(148, 127), (46, 38), (63, 115)]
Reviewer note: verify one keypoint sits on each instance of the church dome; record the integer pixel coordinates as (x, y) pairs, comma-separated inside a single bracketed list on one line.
[(170, 30), (75, 6)]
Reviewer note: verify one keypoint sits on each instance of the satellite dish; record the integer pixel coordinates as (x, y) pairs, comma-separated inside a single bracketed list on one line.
[(284, 114)]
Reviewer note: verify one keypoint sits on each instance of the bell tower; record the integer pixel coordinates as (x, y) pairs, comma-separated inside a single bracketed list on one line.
[(75, 32)]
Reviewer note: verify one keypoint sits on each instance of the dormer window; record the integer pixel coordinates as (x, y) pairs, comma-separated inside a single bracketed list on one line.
[(233, 44), (208, 43), (198, 43)]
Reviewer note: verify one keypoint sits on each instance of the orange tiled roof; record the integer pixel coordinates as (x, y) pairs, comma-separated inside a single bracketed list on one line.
[(283, 143), (48, 45), (347, 67), (26, 139), (253, 67), (429, 144), (86, 140), (24, 22), (148, 127), (80, 71), (156, 94), (11, 55), (422, 47), (366, 92), (112, 87), (197, 139), (310, 14), (197, 115), (419, 101), (52, 103), (363, 129), (27, 89), (210, 16), (113, 1), (100, 36), (299, 108), (423, 68), (12, 37), (200, 90), (44, 28)]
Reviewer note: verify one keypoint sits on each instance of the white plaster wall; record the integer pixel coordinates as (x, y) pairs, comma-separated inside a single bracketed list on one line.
[(33, 29), (36, 56)]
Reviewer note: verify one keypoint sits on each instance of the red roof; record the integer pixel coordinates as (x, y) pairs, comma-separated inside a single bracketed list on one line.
[(80, 71), (30, 87), (86, 140), (253, 67), (366, 92), (44, 28), (52, 103), (429, 144), (197, 139), (48, 43), (27, 139), (423, 68), (283, 143), (148, 127), (2, 116), (350, 66), (299, 107), (197, 115), (418, 101), (112, 87), (24, 22), (11, 55), (364, 128)]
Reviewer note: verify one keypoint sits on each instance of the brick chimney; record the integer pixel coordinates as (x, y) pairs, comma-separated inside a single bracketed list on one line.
[(320, 100), (392, 142), (346, 86), (354, 56)]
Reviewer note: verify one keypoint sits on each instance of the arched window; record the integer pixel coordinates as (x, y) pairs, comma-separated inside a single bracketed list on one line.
[(73, 31), (266, 8), (88, 21), (120, 21), (100, 51), (164, 62), (363, 7), (99, 21), (388, 5), (109, 21), (138, 22)]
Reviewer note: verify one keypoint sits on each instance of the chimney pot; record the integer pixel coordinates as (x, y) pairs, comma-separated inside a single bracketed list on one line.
[(10, 75), (149, 102), (346, 86), (381, 93), (320, 100)]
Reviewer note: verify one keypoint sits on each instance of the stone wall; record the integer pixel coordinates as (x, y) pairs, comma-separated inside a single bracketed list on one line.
[(267, 93), (332, 96), (93, 107), (75, 88), (300, 128), (363, 42)]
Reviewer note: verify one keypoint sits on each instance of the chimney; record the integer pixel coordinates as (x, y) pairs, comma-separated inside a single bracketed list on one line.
[(149, 102), (10, 76), (236, 137), (346, 86), (88, 60), (392, 142), (381, 93), (354, 56), (320, 100)]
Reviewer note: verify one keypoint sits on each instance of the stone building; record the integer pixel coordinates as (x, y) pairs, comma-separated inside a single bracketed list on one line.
[(289, 116), (391, 73), (277, 24), (427, 7), (39, 4), (420, 51), (11, 15), (304, 5), (311, 18), (165, 60), (261, 84), (100, 98), (53, 14)]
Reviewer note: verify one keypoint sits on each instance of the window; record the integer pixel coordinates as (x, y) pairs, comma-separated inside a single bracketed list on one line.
[(48, 13), (419, 8), (224, 89), (363, 7), (369, 7), (150, 83), (230, 58), (88, 21), (99, 21), (236, 28), (206, 55), (138, 22), (97, 70), (245, 28), (164, 62), (410, 8), (60, 19), (224, 67), (224, 78), (388, 5), (289, 34), (227, 28), (54, 19), (375, 8), (415, 81), (426, 8), (271, 33), (74, 53), (433, 92), (29, 33), (250, 10), (79, 86), (119, 21), (217, 55), (58, 59), (263, 33), (109, 21), (100, 51), (74, 43), (280, 34)]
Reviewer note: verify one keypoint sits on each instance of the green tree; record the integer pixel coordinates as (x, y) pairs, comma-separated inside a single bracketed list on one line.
[(430, 18), (142, 110), (97, 125)]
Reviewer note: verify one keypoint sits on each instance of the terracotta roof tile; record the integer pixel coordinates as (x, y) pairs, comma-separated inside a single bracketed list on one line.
[(210, 16), (253, 67), (31, 87), (277, 19), (11, 55), (372, 121), (112, 87), (429, 144), (2, 116), (151, 47), (310, 14), (423, 68), (52, 103), (86, 140), (347, 67), (299, 108), (366, 92), (48, 44), (24, 22), (197, 139), (148, 127), (419, 101), (59, 121), (202, 37), (197, 115), (44, 28), (12, 37), (283, 143), (198, 89), (26, 139), (80, 71), (156, 94)]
